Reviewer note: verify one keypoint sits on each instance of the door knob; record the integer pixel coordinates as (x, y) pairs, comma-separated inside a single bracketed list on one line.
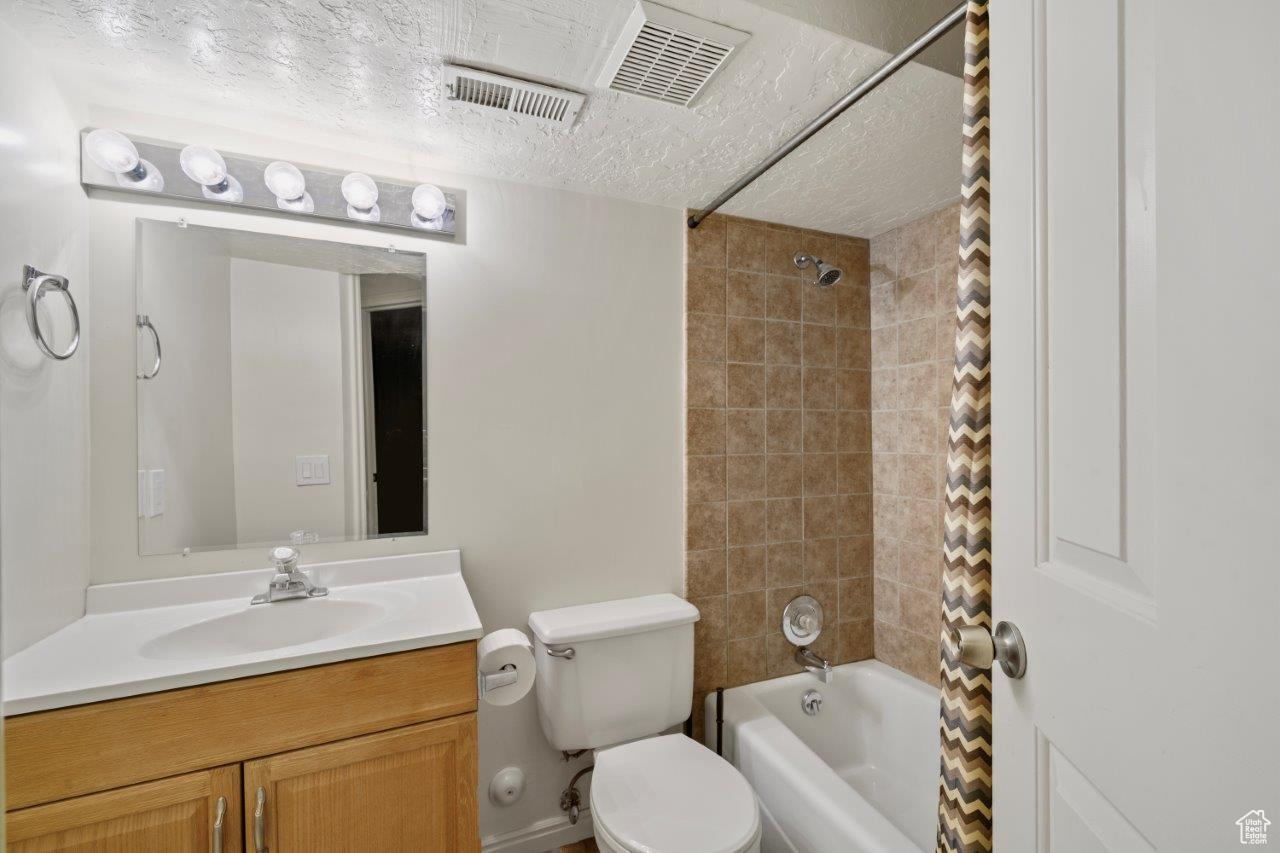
[(975, 646)]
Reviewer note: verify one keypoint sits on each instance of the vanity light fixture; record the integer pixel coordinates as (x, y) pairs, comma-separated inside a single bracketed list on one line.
[(288, 185), (361, 193), (113, 151), (429, 206), (206, 167)]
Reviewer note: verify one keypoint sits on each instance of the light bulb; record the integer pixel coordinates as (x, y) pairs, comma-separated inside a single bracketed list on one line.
[(285, 181), (203, 165), (111, 150), (428, 202), (360, 191)]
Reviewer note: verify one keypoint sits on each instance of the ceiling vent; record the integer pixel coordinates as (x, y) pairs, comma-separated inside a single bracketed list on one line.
[(668, 55), (523, 100)]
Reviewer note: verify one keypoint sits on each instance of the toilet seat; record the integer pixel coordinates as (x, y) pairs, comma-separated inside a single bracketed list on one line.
[(670, 794)]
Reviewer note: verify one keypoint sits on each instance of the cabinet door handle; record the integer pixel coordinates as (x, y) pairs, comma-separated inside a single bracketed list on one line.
[(260, 822), (217, 824)]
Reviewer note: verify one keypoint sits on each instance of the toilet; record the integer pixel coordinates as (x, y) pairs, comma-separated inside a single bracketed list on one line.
[(612, 677)]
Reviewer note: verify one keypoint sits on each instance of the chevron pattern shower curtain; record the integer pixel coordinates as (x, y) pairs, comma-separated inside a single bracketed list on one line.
[(964, 801)]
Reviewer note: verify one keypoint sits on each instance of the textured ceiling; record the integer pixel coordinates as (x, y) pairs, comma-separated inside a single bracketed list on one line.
[(370, 69)]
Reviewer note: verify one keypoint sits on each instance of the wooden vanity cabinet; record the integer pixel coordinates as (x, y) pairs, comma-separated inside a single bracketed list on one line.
[(371, 754)]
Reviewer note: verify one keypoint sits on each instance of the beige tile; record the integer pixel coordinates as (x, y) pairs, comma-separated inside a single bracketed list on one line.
[(705, 431), (746, 522), (919, 246), (883, 260), (818, 304), (883, 305), (705, 290), (745, 294), (779, 656), (853, 390), (918, 475), (855, 641), (705, 525), (819, 384), (855, 599), (827, 594), (745, 568), (782, 342), (705, 336), (853, 303), (785, 522), (819, 345), (853, 473), (746, 386), (776, 599), (920, 566), (947, 234), (819, 474), (711, 625), (887, 602), (782, 244), (745, 477), (782, 298), (916, 297), (918, 386), (854, 432), (891, 644), (924, 659), (784, 564), (943, 426), (709, 670), (886, 517), (783, 388), (854, 553), (746, 614), (785, 432), (917, 431), (852, 254), (921, 611), (884, 473), (745, 661), (745, 340), (884, 430), (917, 340), (945, 372), (854, 518), (947, 286), (885, 558), (746, 246), (707, 242), (745, 431), (884, 390), (822, 430), (919, 522), (945, 339), (821, 560), (706, 479), (706, 384), (785, 475), (820, 517), (853, 348), (884, 347), (704, 573)]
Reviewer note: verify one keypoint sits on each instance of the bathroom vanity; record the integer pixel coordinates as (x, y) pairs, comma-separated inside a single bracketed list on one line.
[(122, 733)]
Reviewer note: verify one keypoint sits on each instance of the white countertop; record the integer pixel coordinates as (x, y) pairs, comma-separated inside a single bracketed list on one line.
[(124, 645)]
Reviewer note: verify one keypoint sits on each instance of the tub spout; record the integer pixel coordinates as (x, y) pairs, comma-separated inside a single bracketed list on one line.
[(814, 663)]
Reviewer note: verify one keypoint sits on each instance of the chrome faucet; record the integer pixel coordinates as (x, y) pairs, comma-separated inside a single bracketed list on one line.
[(290, 581), (813, 662)]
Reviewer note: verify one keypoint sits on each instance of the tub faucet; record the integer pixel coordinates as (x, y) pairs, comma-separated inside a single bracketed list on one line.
[(290, 581), (810, 660)]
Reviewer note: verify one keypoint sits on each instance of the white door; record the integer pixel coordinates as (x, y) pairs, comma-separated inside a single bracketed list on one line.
[(1136, 421)]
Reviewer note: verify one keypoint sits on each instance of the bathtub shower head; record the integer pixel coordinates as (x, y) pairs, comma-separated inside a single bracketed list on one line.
[(827, 274)]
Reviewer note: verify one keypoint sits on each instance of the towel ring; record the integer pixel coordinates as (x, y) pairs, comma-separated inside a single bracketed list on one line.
[(144, 322), (35, 283)]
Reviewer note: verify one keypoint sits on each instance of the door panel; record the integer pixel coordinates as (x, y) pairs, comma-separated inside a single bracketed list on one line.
[(173, 815), (407, 789)]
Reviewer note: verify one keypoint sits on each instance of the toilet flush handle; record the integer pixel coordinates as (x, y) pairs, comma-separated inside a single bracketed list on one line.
[(567, 654)]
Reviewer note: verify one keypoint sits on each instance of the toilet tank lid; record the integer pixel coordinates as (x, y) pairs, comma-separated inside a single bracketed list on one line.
[(611, 618)]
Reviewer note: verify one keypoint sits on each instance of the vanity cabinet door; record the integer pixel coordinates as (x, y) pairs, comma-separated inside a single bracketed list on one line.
[(175, 815), (406, 789)]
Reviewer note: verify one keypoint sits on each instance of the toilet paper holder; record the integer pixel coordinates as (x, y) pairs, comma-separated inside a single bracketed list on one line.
[(504, 677)]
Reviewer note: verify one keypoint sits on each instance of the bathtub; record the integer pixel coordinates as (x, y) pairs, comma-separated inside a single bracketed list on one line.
[(860, 775)]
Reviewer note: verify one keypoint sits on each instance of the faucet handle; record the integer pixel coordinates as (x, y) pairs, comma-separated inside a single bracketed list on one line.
[(284, 558)]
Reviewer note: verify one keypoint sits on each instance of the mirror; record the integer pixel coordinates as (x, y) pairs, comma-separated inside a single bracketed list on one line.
[(281, 390)]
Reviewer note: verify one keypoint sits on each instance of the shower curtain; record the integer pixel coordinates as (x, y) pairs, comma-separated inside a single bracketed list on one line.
[(964, 790)]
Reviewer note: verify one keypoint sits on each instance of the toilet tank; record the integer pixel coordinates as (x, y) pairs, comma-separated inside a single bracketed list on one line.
[(630, 674)]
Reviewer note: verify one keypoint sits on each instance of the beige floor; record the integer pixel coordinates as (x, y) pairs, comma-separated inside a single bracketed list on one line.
[(588, 846)]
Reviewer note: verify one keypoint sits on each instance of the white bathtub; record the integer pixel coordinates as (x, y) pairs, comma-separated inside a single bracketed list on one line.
[(860, 775)]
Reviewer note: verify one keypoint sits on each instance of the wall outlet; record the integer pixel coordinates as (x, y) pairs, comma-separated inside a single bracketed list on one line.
[(155, 497), (312, 470)]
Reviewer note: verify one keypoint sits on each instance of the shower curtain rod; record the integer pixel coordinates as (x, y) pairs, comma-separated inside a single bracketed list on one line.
[(884, 72)]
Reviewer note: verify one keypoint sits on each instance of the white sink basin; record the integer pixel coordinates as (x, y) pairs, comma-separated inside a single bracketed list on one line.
[(264, 627)]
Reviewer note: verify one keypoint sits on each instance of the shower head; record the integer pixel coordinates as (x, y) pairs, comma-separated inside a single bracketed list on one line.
[(827, 274)]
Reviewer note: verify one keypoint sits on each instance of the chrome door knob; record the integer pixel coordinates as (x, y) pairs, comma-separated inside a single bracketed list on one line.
[(975, 646)]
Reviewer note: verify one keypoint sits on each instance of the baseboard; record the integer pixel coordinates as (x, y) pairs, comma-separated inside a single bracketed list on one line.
[(545, 835)]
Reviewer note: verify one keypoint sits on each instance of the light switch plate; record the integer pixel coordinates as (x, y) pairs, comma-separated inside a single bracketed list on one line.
[(155, 505), (312, 470), (143, 492)]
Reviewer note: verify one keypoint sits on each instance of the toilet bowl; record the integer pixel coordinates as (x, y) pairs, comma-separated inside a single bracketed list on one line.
[(671, 794), (611, 677)]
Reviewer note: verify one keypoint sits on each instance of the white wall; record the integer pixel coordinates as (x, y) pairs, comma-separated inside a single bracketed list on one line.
[(555, 413), (287, 400), (184, 413), (44, 406)]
